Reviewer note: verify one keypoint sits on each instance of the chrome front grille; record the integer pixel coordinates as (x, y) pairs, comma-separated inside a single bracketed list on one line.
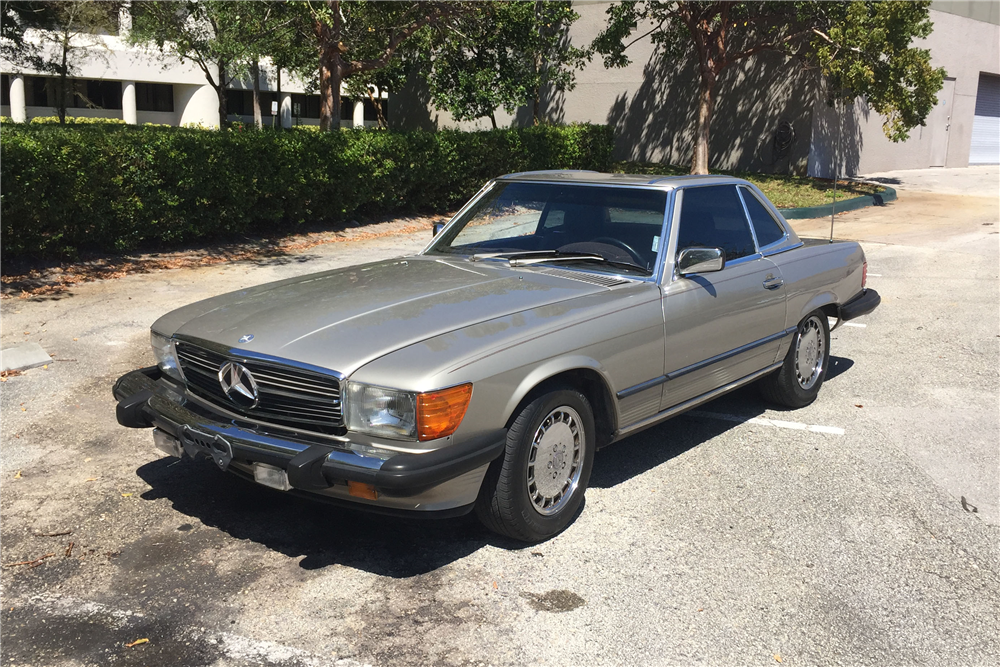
[(288, 396)]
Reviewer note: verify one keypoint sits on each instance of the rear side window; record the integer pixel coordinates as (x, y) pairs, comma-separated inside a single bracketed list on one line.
[(764, 225), (713, 217)]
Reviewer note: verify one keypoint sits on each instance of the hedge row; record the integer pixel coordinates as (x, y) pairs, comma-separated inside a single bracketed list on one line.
[(114, 188)]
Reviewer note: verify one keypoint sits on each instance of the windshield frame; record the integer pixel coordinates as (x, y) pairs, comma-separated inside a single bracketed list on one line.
[(658, 263)]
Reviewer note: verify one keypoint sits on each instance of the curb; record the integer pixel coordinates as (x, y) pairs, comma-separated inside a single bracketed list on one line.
[(839, 207)]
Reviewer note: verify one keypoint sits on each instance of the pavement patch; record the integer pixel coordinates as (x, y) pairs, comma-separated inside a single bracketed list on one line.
[(21, 357), (92, 630)]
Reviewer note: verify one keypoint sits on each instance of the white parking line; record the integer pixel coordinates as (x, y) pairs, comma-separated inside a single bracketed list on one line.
[(855, 324), (874, 275), (763, 421)]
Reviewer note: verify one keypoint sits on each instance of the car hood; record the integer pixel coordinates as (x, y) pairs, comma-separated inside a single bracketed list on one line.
[(344, 318)]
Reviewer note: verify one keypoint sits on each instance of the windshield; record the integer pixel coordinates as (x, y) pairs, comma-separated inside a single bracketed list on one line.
[(568, 223)]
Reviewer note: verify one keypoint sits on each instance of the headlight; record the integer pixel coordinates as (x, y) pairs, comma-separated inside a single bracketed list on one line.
[(401, 414), (166, 358), (381, 411)]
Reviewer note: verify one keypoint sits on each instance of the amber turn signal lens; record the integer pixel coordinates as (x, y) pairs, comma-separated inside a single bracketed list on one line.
[(362, 490), (440, 412)]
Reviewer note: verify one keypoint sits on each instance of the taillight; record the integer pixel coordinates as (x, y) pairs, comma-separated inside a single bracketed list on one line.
[(864, 275)]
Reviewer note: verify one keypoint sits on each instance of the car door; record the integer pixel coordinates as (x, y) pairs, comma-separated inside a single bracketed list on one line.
[(723, 325)]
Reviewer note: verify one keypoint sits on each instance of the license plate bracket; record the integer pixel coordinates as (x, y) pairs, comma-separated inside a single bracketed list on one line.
[(214, 446)]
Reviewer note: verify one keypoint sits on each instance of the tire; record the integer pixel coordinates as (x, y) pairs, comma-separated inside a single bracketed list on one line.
[(532, 503), (796, 385)]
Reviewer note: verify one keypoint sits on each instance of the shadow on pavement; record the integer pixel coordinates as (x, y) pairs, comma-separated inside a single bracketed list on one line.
[(320, 533), (325, 535), (837, 366)]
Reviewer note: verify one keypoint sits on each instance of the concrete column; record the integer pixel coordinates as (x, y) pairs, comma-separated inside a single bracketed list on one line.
[(285, 110), (18, 109), (129, 114), (359, 114)]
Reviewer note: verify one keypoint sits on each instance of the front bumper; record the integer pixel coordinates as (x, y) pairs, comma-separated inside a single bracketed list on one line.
[(445, 480)]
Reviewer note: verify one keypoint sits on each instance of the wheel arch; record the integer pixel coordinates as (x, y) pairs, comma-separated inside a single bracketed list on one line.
[(825, 301), (581, 373)]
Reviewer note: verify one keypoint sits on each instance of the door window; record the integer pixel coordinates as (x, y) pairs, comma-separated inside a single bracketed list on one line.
[(713, 217), (766, 228)]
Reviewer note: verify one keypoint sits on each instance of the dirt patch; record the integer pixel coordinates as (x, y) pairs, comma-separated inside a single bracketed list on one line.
[(38, 279), (554, 601)]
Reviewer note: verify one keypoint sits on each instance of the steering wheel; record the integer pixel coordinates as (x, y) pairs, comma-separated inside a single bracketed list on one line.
[(618, 243)]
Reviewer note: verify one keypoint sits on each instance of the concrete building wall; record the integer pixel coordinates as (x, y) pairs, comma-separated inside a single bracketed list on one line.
[(771, 115), (964, 46)]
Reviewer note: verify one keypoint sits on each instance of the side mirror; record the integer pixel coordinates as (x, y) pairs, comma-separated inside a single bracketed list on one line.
[(438, 226), (700, 260)]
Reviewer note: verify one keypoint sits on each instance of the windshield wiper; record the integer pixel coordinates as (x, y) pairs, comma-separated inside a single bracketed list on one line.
[(578, 257), (508, 255)]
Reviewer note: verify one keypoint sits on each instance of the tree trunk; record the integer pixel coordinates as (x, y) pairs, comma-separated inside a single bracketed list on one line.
[(258, 120), (329, 87), (536, 107), (221, 92), (706, 104), (493, 119), (377, 103)]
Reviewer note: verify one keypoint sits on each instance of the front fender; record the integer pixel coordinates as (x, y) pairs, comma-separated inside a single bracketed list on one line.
[(550, 369)]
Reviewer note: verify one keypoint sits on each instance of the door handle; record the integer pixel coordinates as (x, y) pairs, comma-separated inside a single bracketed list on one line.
[(773, 283)]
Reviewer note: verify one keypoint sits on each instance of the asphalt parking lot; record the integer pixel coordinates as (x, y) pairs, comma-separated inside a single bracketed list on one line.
[(860, 530)]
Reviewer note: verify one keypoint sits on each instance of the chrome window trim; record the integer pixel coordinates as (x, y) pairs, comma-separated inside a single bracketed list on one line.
[(469, 204), (746, 216), (782, 227), (778, 251), (657, 262), (679, 202)]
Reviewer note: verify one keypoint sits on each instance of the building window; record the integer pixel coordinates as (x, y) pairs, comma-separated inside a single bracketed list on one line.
[(371, 114), (154, 97), (305, 106), (103, 95), (5, 89), (36, 92), (240, 102)]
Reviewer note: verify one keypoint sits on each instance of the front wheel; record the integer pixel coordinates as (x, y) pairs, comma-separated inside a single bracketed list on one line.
[(796, 384), (536, 489)]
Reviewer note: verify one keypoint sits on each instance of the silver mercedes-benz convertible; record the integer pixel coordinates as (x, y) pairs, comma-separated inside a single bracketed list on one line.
[(556, 313)]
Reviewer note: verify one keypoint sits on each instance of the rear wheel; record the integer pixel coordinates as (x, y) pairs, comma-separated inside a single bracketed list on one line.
[(536, 489), (796, 384)]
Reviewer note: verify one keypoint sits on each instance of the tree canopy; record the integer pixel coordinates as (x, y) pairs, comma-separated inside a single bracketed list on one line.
[(862, 48), (502, 55)]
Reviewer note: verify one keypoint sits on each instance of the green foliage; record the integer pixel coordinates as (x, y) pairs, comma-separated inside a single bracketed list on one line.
[(502, 55), (117, 188), (864, 49), (75, 120)]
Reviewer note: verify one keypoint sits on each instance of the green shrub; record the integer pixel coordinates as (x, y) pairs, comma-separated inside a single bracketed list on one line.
[(76, 120), (119, 188)]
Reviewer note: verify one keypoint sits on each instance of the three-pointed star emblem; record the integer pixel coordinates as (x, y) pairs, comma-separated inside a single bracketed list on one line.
[(238, 384)]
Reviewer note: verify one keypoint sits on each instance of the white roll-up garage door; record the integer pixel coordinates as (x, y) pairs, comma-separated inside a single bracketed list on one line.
[(986, 124)]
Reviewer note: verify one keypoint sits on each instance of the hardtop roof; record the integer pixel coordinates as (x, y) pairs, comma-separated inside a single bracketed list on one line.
[(596, 177)]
